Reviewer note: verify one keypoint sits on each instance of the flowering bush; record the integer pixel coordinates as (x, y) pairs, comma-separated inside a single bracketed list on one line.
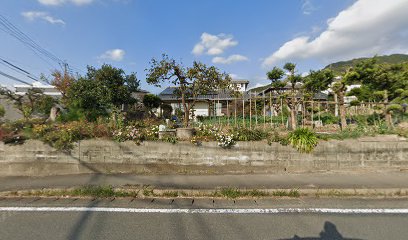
[(152, 133), (207, 132), (128, 133), (225, 140)]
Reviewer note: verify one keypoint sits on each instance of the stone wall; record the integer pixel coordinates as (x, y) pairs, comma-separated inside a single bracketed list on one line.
[(37, 159)]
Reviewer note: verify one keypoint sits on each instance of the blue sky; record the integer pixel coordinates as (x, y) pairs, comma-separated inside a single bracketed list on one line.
[(245, 38)]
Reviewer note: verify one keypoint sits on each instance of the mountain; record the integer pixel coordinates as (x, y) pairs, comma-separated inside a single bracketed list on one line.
[(341, 67)]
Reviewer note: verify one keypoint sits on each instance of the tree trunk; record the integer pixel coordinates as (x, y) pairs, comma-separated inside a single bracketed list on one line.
[(293, 111), (186, 110), (342, 109), (388, 116), (293, 118)]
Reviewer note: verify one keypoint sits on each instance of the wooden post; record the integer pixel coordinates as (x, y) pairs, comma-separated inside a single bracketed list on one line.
[(264, 109), (250, 111), (235, 110), (281, 103), (256, 110), (227, 114), (218, 105), (270, 106), (243, 111), (312, 115)]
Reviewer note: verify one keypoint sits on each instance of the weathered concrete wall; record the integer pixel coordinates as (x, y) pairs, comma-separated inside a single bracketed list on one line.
[(35, 158)]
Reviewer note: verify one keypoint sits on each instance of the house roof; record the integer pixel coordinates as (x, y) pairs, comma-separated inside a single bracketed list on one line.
[(240, 81), (168, 94)]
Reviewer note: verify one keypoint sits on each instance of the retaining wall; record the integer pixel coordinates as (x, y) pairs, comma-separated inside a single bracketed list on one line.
[(35, 158)]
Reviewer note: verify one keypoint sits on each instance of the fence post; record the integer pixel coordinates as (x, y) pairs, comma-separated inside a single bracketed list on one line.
[(250, 111), (270, 107), (243, 111), (256, 110), (235, 110)]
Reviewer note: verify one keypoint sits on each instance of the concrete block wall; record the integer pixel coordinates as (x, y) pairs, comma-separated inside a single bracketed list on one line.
[(37, 158)]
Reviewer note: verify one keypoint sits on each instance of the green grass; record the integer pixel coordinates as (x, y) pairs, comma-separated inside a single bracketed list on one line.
[(170, 194), (236, 193)]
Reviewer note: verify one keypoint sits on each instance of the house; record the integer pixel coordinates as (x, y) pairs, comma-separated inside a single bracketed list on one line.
[(274, 93), (211, 104), (46, 89)]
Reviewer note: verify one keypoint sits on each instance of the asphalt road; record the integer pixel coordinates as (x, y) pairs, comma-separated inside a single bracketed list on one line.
[(292, 180), (78, 224)]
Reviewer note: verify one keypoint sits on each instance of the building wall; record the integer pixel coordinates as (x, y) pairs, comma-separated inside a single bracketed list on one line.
[(201, 109)]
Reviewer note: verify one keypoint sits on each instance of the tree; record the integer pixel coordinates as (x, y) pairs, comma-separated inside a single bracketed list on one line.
[(275, 75), (387, 83), (102, 90), (340, 88), (151, 101), (62, 81), (316, 82), (291, 95), (190, 82)]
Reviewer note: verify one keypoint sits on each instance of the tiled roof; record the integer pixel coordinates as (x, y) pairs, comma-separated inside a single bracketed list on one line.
[(168, 94)]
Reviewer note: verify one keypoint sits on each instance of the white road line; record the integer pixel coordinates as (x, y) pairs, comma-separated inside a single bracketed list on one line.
[(207, 211)]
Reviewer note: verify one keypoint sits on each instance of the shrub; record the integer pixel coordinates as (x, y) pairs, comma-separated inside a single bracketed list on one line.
[(2, 111), (395, 108), (167, 109), (225, 140), (152, 133), (170, 139), (327, 118), (72, 114), (303, 139), (207, 131), (276, 137), (129, 133), (63, 136), (246, 134)]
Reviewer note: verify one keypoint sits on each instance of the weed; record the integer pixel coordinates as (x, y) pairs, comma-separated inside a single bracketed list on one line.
[(95, 191), (170, 194), (148, 192)]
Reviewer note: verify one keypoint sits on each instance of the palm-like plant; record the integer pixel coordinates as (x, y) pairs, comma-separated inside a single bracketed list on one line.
[(303, 139)]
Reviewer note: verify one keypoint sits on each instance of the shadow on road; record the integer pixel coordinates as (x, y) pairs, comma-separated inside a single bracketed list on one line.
[(329, 232)]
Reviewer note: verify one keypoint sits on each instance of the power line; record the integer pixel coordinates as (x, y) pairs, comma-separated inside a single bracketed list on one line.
[(18, 69), (14, 78), (42, 53), (12, 30)]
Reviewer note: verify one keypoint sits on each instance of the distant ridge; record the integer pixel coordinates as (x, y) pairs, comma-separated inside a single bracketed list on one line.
[(342, 66)]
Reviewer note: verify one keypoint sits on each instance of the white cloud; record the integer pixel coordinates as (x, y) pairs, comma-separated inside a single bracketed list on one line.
[(231, 59), (61, 2), (365, 28), (34, 15), (113, 55), (234, 76), (308, 7), (213, 44)]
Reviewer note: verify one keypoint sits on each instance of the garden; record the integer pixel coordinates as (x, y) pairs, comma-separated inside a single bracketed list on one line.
[(101, 104)]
